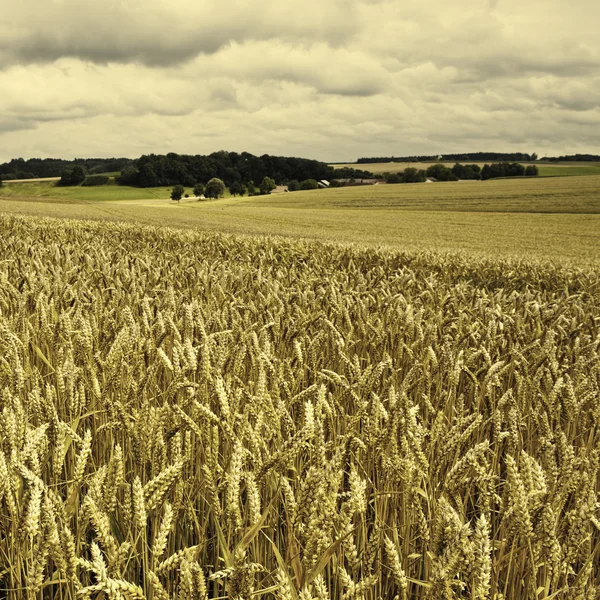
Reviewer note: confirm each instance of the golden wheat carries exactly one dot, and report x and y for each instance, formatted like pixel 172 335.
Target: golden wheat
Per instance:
pixel 195 416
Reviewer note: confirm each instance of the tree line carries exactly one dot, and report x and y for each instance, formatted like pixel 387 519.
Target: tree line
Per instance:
pixel 471 156
pixel 215 188
pixel 33 168
pixel 459 171
pixel 156 170
pixel 574 158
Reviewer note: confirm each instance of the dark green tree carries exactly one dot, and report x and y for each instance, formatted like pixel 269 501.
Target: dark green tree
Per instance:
pixel 440 172
pixel 294 185
pixel 65 177
pixel 148 177
pixel 128 176
pixel 199 190
pixel 531 171
pixel 78 175
pixel 237 189
pixel 177 192
pixel 412 175
pixel 309 184
pixel 393 178
pixel 73 176
pixel 466 171
pixel 215 188
pixel 267 185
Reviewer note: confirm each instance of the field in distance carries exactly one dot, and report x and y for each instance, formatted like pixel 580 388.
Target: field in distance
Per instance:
pixel 47 188
pixel 557 219
pixel 545 169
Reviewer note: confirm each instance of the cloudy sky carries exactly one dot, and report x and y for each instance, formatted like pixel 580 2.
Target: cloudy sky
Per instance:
pixel 326 79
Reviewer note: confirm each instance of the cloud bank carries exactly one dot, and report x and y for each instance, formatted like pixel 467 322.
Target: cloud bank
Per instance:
pixel 329 79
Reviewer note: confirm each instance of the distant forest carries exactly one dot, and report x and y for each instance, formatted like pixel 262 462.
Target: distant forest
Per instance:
pixel 574 158
pixel 474 156
pixel 159 170
pixel 481 157
pixel 19 168
pixel 154 170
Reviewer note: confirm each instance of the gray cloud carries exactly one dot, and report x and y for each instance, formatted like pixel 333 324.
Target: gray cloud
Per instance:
pixel 160 32
pixel 335 80
pixel 8 124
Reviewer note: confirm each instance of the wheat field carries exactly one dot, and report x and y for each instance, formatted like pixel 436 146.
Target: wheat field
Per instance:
pixel 194 415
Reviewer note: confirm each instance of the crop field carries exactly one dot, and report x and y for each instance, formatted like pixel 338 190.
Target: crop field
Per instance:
pixel 394 167
pixel 567 169
pixel 554 218
pixel 360 393
pixel 203 415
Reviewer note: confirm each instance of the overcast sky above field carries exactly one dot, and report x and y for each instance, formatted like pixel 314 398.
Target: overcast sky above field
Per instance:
pixel 327 79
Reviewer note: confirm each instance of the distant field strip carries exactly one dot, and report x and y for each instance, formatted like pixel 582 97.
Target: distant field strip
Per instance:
pixel 556 219
pixel 46 189
pixel 561 195
pixel 545 170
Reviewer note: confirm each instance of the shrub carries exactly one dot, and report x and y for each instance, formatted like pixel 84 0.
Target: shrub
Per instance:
pixel 531 171
pixel 73 176
pixel 95 180
pixel 267 185
pixel 199 190
pixel 177 192
pixel 309 184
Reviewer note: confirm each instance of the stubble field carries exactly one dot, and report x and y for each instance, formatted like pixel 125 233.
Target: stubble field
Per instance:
pixel 404 405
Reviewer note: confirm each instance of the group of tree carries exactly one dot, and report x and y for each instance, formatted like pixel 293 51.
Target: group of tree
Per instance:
pixel 172 169
pixel 505 169
pixel 470 156
pixel 156 170
pixel 409 175
pixel 441 172
pixel 73 175
pixel 19 168
pixel 573 158
pixel 307 184
pixel 216 188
